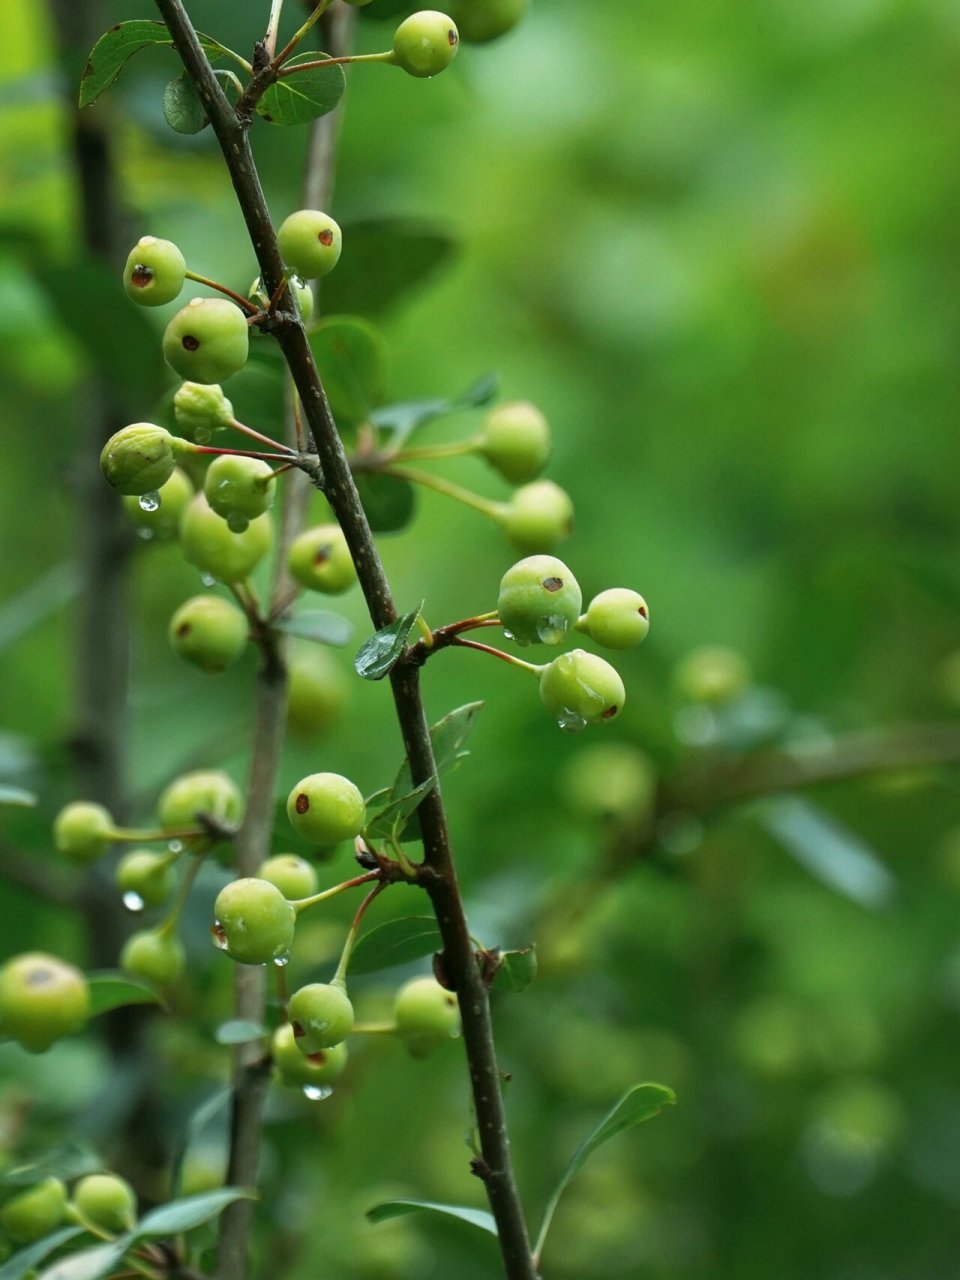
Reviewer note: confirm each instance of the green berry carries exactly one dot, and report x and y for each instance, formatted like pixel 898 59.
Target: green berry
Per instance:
pixel 207 341
pixel 201 409
pixel 310 243
pixel 35 1213
pixel 155 272
pixel 149 875
pixel 292 875
pixel 316 690
pixel 515 439
pixel 302 295
pixel 538 516
pixel 426 43
pixel 206 791
pixel 320 560
pixel 321 1016
pixel 41 999
pixel 106 1201
pixel 83 831
pixel 210 632
pixel 426 1015
pixel 208 542
pixel 539 600
pixel 254 921
pixel 318 1069
pixel 610 781
pixel 482 20
pixel 140 458
pixel 239 487
pixel 155 955
pixel 161 520
pixel 581 689
pixel 712 674
pixel 618 618
pixel 325 808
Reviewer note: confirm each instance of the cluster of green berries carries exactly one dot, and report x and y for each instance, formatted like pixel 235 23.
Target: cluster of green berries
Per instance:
pixel 103 1202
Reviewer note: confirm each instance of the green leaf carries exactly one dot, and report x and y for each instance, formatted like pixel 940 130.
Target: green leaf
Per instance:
pixel 351 357
pixel 318 625
pixel 389 502
pixel 641 1102
pixel 192 1211
pixel 395 942
pixel 391 819
pixel 110 990
pixel 117 46
pixel 398 1208
pixel 26 610
pixel 17 795
pixel 304 96
pixel 207 1111
pixel 516 970
pixel 89 1264
pixel 71 1160
pixel 239 1031
pixel 401 420
pixel 182 108
pixel 25 1260
pixel 448 737
pixel 385 647
pixel 385 260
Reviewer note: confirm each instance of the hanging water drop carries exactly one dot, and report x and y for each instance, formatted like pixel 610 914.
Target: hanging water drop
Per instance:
pixel 507 635
pixel 551 629
pixel 237 523
pixel 175 846
pixel 145 535
pixel 316 1092
pixel 207 579
pixel 132 901
pixel 282 959
pixel 149 501
pixel 571 721
pixel 219 935
pixel 202 435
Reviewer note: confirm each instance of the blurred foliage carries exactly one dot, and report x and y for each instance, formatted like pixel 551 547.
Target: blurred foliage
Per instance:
pixel 717 245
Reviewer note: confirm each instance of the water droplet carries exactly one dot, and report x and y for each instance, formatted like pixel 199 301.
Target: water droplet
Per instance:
pixel 207 579
pixel 175 846
pixel 571 721
pixel 237 523
pixel 219 935
pixel 317 1093
pixel 132 901
pixel 282 959
pixel 507 635
pixel 149 501
pixel 145 535
pixel 551 629
pixel 202 435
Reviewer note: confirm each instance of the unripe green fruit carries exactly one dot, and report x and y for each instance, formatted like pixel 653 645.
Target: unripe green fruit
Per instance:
pixel 255 923
pixel 481 20
pixel 321 1016
pixel 292 875
pixel 41 999
pixel 581 689
pixel 139 459
pixel 210 632
pixel 302 294
pixel 149 875
pixel 35 1213
pixel 208 542
pixel 320 560
pixel 155 272
pixel 239 487
pixel 155 955
pixel 310 243
pixel 106 1201
pixel 538 516
pixel 515 439
pixel 316 690
pixel 426 43
pixel 83 831
pixel 610 781
pixel 162 521
pixel 201 409
pixel 539 600
pixel 712 674
pixel 206 791
pixel 618 618
pixel 325 808
pixel 426 1015
pixel 207 341
pixel 320 1068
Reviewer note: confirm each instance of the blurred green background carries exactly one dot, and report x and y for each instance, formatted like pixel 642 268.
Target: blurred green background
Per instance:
pixel 718 246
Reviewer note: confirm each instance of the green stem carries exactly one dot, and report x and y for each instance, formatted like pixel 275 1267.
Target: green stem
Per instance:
pixel 150 835
pixel 497 653
pixel 250 307
pixel 428 452
pixel 301 904
pixel 242 453
pixel 340 976
pixel 386 56
pixel 169 924
pixel 258 435
pixel 450 490
pixel 296 38
pixel 374 1029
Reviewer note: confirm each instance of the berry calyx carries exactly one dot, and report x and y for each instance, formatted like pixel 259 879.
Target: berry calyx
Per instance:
pixel 148 875
pixel 581 689
pixel 106 1201
pixel 482 20
pixel 325 808
pixel 425 43
pixel 310 243
pixel 617 618
pixel 41 999
pixel 208 542
pixel 207 341
pixel 201 409
pixel 239 487
pixel 204 791
pixel 426 1015
pixel 321 1016
pixel 515 439
pixel 209 632
pixel 294 1067
pixel 254 921
pixel 292 875
pixel 320 560
pixel 154 272
pixel 154 954
pixel 161 517
pixel 140 458
pixel 537 517
pixel 316 690
pixel 83 831
pixel 34 1213
pixel 539 600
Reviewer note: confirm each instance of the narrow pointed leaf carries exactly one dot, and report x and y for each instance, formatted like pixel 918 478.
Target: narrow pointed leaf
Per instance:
pixel 396 942
pixel 17 796
pixel 114 990
pixel 392 818
pixel 26 1260
pixel 239 1031
pixel 204 1114
pixel 318 625
pixel 304 95
pixel 517 969
pixel 448 737
pixel 385 647
pixel 89 1264
pixel 398 1208
pixel 117 46
pixel 192 1211
pixel 401 420
pixel 71 1160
